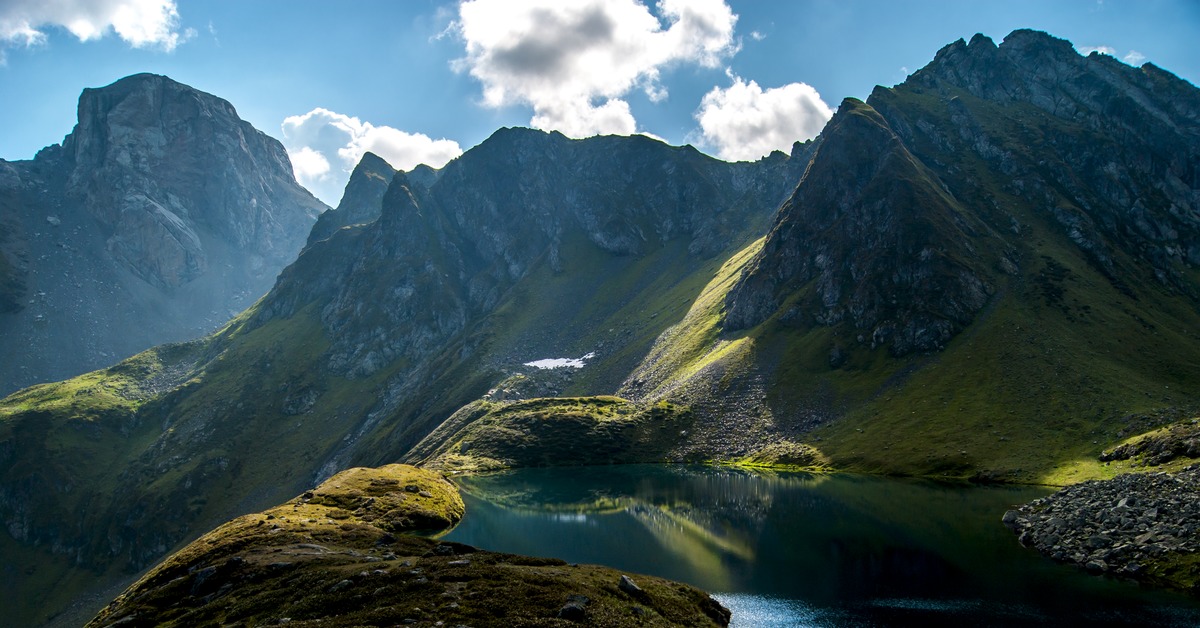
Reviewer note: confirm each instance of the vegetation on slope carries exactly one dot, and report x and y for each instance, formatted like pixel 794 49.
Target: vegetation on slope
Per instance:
pixel 1081 337
pixel 563 431
pixel 342 555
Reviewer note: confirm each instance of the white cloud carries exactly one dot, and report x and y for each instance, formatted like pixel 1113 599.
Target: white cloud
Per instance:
pixel 308 164
pixel 141 23
pixel 574 62
pixel 745 122
pixel 1134 58
pixel 1104 50
pixel 757 36
pixel 321 138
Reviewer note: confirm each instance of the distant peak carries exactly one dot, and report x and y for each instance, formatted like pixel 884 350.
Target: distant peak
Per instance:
pixel 139 81
pixel 1030 37
pixel 981 40
pixel 370 162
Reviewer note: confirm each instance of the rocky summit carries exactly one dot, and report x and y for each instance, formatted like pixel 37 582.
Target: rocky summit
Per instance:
pixel 160 216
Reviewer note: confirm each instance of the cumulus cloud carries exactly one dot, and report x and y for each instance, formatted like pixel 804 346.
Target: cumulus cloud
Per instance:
pixel 745 122
pixel 1134 58
pixel 308 164
pixel 324 147
pixel 575 62
pixel 141 23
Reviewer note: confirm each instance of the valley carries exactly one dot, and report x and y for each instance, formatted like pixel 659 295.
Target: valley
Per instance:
pixel 986 274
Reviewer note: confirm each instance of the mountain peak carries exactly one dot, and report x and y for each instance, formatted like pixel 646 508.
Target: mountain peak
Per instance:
pixel 370 162
pixel 173 201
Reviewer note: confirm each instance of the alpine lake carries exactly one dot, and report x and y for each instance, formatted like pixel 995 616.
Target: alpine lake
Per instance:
pixel 797 549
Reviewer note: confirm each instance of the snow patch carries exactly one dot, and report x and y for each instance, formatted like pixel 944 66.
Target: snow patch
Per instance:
pixel 555 363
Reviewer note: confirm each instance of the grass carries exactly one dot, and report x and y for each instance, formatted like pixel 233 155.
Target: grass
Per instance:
pixel 1045 378
pixel 786 455
pixel 563 431
pixel 314 560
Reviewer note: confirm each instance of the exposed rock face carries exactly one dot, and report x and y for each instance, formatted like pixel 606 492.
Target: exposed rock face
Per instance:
pixel 1136 526
pixel 448 253
pixel 158 216
pixel 901 223
pixel 362 199
pixel 440 260
pixel 887 249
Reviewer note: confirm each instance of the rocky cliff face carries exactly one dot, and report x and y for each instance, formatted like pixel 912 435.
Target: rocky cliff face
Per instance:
pixel 906 217
pixel 885 248
pixel 362 200
pixel 450 252
pixel 160 215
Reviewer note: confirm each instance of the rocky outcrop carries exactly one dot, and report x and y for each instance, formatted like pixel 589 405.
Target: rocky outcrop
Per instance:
pixel 885 248
pixel 342 554
pixel 156 219
pixel 362 200
pixel 1140 526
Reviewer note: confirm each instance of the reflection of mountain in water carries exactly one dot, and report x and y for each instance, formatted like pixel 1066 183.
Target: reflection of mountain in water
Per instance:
pixel 865 550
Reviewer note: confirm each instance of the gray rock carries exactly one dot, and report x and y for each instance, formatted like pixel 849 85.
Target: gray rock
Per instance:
pixel 1091 540
pixel 575 609
pixel 627 585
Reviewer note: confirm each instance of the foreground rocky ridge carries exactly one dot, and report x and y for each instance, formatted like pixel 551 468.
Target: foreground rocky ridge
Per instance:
pixel 343 554
pixel 159 217
pixel 1140 526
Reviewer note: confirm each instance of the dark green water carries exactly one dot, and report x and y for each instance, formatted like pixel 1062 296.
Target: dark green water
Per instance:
pixel 804 550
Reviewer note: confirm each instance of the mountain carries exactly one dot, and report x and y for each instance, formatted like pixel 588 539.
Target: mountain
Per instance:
pixel 985 272
pixel 988 270
pixel 159 217
pixel 362 200
pixel 528 246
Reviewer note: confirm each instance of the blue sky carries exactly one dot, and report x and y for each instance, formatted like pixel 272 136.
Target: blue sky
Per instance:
pixel 421 80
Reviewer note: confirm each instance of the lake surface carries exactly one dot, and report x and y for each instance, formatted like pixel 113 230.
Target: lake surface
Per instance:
pixel 794 549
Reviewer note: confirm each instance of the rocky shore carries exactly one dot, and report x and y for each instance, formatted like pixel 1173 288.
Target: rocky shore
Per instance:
pixel 1140 526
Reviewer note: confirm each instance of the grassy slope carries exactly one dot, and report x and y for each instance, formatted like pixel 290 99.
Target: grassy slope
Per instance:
pixel 220 443
pixel 60 436
pixel 1044 379
pixel 556 431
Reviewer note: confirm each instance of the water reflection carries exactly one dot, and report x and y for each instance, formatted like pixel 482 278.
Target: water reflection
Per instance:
pixel 800 549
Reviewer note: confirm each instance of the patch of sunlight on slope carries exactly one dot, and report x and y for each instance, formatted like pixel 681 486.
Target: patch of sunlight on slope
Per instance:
pixel 686 348
pixel 1076 471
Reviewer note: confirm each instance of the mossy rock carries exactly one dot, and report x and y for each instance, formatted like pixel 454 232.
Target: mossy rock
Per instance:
pixel 395 498
pixel 787 455
pixel 336 556
pixel 557 431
